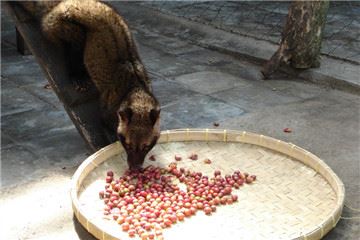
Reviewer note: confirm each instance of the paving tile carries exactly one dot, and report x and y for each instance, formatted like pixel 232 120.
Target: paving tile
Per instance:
pixel 294 87
pixel 46 95
pixel 9 55
pixel 168 92
pixel 170 121
pixel 210 82
pixel 6 141
pixel 26 68
pixel 202 111
pixel 62 147
pixel 254 97
pixel 34 123
pixel 15 100
pixel 19 165
pixel 26 79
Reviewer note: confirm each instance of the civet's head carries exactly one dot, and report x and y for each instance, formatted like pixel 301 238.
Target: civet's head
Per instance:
pixel 139 126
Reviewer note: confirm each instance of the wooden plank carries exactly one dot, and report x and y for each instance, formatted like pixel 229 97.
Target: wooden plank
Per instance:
pixel 82 107
pixel 20 44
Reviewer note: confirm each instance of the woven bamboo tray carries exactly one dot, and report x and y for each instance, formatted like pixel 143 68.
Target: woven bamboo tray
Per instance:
pixel 296 195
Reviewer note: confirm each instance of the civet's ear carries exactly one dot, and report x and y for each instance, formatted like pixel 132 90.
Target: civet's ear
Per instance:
pixel 125 115
pixel 154 115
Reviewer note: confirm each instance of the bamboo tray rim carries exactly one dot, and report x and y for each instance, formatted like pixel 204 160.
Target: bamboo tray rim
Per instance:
pixel 224 135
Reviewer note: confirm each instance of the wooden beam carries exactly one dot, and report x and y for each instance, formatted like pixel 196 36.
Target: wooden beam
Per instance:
pixel 83 108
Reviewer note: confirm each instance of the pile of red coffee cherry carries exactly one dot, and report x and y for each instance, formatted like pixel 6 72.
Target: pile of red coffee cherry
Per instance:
pixel 147 201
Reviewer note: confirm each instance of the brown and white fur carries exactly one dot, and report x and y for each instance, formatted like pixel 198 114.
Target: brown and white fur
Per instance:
pixel 113 64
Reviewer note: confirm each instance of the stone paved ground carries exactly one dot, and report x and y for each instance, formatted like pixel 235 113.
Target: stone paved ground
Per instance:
pixel 265 21
pixel 41 149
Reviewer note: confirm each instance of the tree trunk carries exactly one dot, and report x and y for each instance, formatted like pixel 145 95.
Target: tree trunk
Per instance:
pixel 301 37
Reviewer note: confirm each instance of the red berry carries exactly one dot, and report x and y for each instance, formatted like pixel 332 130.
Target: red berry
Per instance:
pixel 172 165
pixel 180 216
pixel 147 226
pixel 178 157
pixel 149 199
pixel 144 236
pixel 229 200
pixel 167 222
pixel 121 220
pixel 193 156
pixel 187 212
pixel 115 210
pixel 129 219
pixel 173 218
pixel 200 205
pixel 207 210
pixel 109 179
pixel 249 180
pixel 110 205
pixel 207 161
pixel 193 210
pixel 240 182
pixel 125 226
pixel 131 232
pixel 101 194
pixel 234 197
pixel 227 190
pixel 287 130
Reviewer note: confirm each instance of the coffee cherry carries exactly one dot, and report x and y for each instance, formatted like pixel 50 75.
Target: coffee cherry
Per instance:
pixel 125 226
pixel 193 156
pixel 131 232
pixel 151 235
pixel 180 216
pixel 207 161
pixel 144 236
pixel 234 197
pixel 207 210
pixel 146 201
pixel 109 179
pixel 178 157
pixel 249 180
pixel 101 194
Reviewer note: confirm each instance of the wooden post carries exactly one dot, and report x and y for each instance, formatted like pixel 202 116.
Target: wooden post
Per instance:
pixel 301 37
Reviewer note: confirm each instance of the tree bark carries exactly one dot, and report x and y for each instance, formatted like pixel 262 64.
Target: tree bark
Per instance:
pixel 301 37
